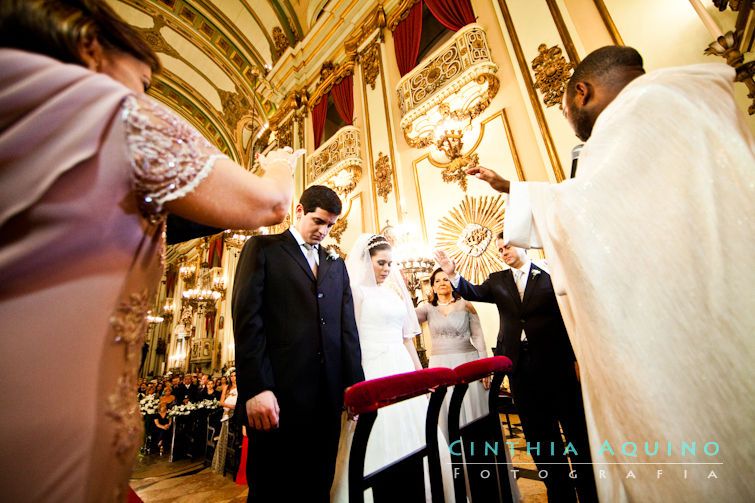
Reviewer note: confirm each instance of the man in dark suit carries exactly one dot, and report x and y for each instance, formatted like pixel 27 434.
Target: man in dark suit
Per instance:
pixel 186 391
pixel 297 349
pixel 543 377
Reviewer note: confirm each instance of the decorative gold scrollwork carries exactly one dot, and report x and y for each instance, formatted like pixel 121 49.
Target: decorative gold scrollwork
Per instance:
pixel 383 176
pixel 552 72
pixel 371 63
pixel 280 40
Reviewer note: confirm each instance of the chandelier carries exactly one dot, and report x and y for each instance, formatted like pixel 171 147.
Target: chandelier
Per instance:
pixel 208 290
pixel 237 238
pixel 187 271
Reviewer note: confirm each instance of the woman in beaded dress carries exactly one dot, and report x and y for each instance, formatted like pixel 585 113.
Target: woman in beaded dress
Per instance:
pixel 456 337
pixel 89 166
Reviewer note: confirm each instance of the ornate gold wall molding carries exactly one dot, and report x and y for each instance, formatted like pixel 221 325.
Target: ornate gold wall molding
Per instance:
pixel 550 146
pixel 608 21
pixel 288 111
pixel 552 72
pixel 285 134
pixel 383 176
pixel 299 118
pixel 399 13
pixel 368 142
pixel 467 235
pixel 563 32
pixel 330 75
pixel 370 62
pixel 338 229
pixel 280 40
pixel 375 20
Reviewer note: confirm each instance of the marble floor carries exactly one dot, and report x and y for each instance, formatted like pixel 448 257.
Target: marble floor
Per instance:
pixel 157 480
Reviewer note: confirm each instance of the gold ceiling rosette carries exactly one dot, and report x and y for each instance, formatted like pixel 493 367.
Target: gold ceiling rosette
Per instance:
pixel 467 235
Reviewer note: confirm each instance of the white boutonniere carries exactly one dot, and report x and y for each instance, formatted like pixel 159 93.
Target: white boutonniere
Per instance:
pixel 534 272
pixel 332 254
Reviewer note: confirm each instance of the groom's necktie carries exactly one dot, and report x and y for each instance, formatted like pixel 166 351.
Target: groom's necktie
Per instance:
pixel 519 279
pixel 311 252
pixel 520 283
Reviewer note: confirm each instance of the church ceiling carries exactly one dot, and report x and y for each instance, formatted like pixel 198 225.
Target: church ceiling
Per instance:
pixel 215 55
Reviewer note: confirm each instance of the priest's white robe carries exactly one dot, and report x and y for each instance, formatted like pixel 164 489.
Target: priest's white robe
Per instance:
pixel 652 253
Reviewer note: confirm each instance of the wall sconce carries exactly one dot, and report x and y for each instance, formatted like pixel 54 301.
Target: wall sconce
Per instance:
pixel 454 137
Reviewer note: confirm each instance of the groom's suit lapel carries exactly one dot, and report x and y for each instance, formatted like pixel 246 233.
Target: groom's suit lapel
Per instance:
pixel 291 247
pixel 531 282
pixel 325 264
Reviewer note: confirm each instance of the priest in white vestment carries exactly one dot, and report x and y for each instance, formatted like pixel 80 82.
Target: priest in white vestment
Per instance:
pixel 652 253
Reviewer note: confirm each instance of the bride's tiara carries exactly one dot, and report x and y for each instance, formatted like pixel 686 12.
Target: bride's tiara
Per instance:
pixel 378 240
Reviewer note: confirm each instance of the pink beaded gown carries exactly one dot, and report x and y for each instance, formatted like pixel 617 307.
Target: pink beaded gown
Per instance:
pixel 85 166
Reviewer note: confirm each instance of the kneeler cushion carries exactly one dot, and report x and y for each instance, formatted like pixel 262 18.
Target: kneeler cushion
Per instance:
pixel 477 369
pixel 369 396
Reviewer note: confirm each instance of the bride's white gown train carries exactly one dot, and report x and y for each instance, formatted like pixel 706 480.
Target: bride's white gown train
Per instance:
pixel 399 428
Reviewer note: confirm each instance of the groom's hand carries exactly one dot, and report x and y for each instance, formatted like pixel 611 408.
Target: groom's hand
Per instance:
pixel 445 263
pixel 263 411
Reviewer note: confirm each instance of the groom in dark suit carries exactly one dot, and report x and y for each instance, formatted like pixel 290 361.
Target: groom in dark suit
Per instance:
pixel 297 349
pixel 543 377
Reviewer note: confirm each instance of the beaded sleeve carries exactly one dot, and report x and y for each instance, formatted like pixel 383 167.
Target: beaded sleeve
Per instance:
pixel 169 158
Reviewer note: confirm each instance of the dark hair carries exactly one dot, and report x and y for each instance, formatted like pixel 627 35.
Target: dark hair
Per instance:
pixel 499 235
pixel 376 243
pixel 433 295
pixel 319 196
pixel 602 64
pixel 59 28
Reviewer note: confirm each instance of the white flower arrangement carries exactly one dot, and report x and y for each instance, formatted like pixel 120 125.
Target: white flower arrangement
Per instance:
pixel 230 371
pixel 188 408
pixel 534 273
pixel 332 253
pixel 148 405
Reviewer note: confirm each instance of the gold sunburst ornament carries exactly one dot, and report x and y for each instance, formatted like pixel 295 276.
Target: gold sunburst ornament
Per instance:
pixel 467 235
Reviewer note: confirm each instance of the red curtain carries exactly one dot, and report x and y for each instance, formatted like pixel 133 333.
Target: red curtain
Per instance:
pixel 343 99
pixel 319 112
pixel 215 253
pixel 453 14
pixel 170 282
pixel 406 38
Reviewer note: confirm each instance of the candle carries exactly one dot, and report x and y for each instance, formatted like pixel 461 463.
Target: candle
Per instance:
pixel 707 19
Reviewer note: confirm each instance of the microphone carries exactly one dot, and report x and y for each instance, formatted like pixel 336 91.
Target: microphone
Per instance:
pixel 574 157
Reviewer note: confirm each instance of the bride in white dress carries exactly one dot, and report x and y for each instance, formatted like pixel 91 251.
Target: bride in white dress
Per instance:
pixel 387 325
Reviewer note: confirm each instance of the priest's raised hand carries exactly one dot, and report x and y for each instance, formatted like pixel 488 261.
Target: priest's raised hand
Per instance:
pixel 488 175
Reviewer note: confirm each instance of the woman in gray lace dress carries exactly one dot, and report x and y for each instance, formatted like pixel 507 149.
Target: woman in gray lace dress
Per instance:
pixel 457 338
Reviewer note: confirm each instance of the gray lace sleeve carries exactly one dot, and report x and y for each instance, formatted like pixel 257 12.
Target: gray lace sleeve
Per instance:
pixel 169 158
pixel 421 313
